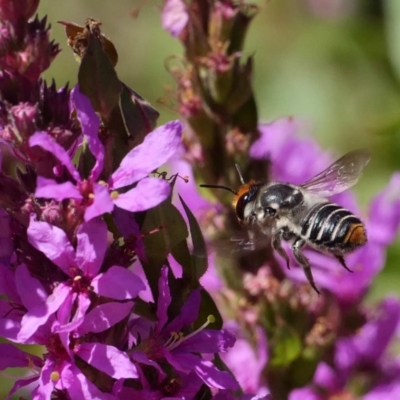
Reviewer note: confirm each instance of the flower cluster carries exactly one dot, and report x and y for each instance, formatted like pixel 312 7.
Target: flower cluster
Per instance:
pixel 75 218
pixel 135 285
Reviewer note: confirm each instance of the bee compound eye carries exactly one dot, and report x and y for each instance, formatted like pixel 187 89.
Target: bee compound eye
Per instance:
pixel 241 205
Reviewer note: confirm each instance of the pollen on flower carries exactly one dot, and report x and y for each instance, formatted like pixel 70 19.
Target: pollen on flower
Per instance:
pixel 211 319
pixel 114 195
pixel 54 376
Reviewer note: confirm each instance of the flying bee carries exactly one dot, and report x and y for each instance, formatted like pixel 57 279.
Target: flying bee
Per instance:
pixel 302 214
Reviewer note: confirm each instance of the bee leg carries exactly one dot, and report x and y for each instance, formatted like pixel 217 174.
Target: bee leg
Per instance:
pixel 341 260
pixel 303 261
pixel 277 245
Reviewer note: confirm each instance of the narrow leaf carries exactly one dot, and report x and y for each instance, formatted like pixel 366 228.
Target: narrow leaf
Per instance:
pixel 199 254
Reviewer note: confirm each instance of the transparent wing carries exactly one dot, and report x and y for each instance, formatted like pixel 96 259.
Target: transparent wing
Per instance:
pixel 341 175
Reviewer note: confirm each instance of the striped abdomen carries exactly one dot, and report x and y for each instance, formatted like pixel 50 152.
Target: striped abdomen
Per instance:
pixel 333 227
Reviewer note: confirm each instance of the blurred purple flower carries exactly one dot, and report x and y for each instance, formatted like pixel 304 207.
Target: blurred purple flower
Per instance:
pixel 162 340
pixel 70 299
pixel 357 351
pixel 366 354
pixel 174 17
pixel 247 362
pixel 101 197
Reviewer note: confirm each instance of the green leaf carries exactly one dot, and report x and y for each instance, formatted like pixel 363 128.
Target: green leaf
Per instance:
pixel 158 245
pixel 285 345
pixel 97 78
pixel 139 116
pixel 129 123
pixel 199 260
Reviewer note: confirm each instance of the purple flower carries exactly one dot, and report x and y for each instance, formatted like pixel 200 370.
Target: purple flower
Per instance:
pixel 54 372
pixel 358 351
pixel 162 340
pixel 364 353
pixel 174 17
pixel 101 197
pixel 70 299
pixel 255 360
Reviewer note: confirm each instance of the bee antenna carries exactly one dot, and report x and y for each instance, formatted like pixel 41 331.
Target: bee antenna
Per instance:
pixel 219 187
pixel 239 170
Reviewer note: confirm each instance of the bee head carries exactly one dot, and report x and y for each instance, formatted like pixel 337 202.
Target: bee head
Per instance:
pixel 244 196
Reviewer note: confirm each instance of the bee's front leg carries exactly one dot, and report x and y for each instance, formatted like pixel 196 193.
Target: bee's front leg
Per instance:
pixel 303 261
pixel 277 245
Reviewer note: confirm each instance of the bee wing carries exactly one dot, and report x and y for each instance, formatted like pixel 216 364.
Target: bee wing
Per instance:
pixel 341 175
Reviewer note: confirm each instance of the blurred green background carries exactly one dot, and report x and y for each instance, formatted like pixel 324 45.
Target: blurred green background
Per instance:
pixel 334 63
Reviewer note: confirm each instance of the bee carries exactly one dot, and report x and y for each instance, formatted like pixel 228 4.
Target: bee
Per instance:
pixel 302 214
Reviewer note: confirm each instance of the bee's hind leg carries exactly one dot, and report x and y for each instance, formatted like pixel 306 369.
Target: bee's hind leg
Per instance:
pixel 277 245
pixel 340 258
pixel 303 261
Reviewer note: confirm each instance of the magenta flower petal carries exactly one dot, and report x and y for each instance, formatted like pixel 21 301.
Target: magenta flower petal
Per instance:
pixel 206 370
pixel 65 310
pixel 304 394
pixel 46 142
pixel 91 247
pixel 387 391
pixel 53 242
pixel 174 17
pixel 37 316
pixel 148 193
pixel 157 148
pixel 50 189
pixel 140 357
pixel 80 387
pixel 46 385
pixel 90 124
pixel 9 329
pixel 20 383
pixel 164 298
pixel 108 359
pixel 36 294
pixel 118 283
pixel 103 317
pixel 102 202
pixel 253 356
pixel 83 303
pixel 207 341
pixel 188 314
pixel 357 349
